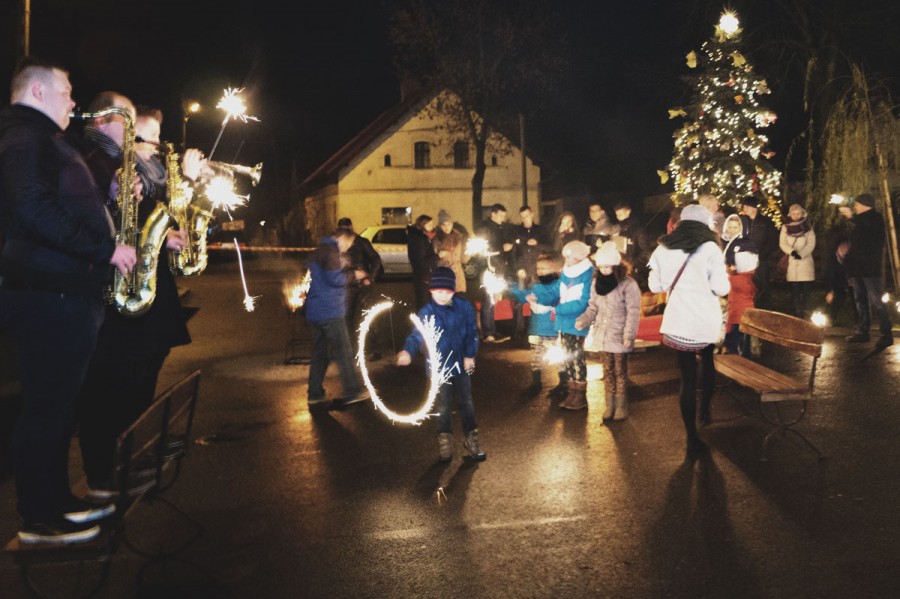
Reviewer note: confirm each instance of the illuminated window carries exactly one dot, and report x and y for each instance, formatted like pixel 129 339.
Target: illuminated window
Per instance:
pixel 422 154
pixel 493 161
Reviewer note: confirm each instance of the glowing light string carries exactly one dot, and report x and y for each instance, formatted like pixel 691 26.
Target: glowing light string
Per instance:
pixel 439 373
pixel 221 194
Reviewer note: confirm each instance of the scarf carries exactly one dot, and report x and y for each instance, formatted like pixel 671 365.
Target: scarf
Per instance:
pixel 546 279
pixel 797 228
pixel 603 284
pixel 688 236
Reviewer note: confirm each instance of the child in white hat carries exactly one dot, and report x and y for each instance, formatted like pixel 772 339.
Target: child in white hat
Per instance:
pixel 613 312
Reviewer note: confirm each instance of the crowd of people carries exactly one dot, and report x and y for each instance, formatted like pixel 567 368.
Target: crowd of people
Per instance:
pixel 82 364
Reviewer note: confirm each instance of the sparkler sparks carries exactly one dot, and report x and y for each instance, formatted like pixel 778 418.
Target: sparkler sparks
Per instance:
pixel 819 319
pixel 296 295
pixel 233 105
pixel 438 372
pixel 220 191
pixel 493 283
pixel 556 354
pixel 477 246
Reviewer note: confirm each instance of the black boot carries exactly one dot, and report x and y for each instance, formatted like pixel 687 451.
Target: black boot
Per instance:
pixel 562 389
pixel 535 387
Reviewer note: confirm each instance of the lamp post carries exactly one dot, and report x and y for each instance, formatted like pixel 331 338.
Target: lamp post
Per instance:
pixel 189 109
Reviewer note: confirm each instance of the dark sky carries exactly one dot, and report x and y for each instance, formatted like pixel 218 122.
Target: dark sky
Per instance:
pixel 316 73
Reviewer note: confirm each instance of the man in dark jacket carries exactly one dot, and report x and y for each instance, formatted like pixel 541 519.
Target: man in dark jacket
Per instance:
pixel 500 244
pixel 765 237
pixel 120 382
pixel 363 264
pixel 58 243
pixel 326 311
pixel 422 256
pixel 863 264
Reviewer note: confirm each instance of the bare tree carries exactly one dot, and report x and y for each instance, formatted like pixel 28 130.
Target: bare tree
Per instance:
pixel 499 58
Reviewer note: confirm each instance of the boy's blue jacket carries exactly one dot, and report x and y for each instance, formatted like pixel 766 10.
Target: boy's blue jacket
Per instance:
pixel 540 324
pixel 327 295
pixel 459 335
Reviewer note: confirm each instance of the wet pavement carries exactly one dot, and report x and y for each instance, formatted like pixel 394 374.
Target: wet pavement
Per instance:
pixel 285 503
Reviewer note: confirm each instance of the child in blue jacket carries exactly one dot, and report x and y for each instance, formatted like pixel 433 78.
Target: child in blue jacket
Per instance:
pixel 457 346
pixel 570 302
pixel 541 327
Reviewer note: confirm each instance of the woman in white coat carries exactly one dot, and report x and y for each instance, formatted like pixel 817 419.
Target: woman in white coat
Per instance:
pixel 798 241
pixel 689 265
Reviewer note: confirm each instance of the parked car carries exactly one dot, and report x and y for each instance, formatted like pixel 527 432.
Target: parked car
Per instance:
pixel 390 243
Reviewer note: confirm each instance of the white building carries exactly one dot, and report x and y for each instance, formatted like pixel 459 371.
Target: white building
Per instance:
pixel 404 164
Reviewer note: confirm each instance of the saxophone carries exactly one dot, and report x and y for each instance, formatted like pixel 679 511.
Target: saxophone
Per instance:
pixel 133 294
pixel 192 212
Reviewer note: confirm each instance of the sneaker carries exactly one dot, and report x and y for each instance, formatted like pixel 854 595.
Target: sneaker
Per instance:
pixel 490 339
pixel 58 530
pixel 356 398
pixel 139 483
pixel 884 341
pixel 470 444
pixel 81 512
pixel 857 338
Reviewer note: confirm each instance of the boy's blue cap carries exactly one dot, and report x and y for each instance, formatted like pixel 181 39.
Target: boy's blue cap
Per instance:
pixel 443 277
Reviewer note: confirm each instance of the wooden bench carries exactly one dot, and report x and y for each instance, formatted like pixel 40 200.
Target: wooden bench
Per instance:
pixel 783 400
pixel 158 440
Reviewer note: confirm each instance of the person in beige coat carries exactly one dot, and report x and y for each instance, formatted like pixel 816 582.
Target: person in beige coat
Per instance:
pixel 797 241
pixel 450 248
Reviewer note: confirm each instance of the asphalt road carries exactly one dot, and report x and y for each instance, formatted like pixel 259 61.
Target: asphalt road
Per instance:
pixel 346 504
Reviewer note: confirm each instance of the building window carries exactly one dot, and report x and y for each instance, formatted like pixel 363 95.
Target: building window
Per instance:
pixel 493 161
pixel 461 155
pixel 387 160
pixel 423 154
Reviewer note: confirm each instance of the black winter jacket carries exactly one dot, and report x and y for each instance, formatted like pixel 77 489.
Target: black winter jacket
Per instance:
pixel 58 235
pixel 866 245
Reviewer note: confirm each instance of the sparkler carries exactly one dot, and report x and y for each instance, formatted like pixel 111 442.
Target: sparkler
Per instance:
pixel 438 372
pixel 220 191
pixel 296 295
pixel 493 283
pixel 477 246
pixel 819 319
pixel 556 354
pixel 233 105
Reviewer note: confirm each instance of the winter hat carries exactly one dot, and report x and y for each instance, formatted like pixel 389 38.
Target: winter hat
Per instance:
pixel 577 250
pixel 443 278
pixel 698 213
pixel 607 255
pixel 443 217
pixel 746 261
pixel 750 201
pixel 798 207
pixel 866 200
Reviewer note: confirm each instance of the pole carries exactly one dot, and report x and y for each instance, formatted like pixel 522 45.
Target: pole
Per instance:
pixel 524 160
pixel 26 27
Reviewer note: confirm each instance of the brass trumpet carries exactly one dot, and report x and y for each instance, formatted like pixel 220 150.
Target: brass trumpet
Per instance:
pixel 254 172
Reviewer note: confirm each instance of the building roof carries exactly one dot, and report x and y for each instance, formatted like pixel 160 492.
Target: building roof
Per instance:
pixel 328 171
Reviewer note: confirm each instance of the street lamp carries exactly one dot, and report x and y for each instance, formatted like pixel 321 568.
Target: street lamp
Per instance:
pixel 189 109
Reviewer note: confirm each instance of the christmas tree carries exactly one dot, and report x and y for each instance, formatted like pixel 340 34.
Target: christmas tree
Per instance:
pixel 719 150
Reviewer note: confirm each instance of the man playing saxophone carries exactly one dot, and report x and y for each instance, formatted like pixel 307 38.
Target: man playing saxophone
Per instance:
pixel 58 240
pixel 131 349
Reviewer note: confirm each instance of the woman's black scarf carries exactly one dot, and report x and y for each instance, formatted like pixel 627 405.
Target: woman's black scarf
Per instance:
pixel 688 236
pixel 797 228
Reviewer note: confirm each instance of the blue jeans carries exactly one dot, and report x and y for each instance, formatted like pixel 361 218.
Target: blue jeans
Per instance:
pixel 868 291
pixel 461 386
pixel 331 341
pixel 54 336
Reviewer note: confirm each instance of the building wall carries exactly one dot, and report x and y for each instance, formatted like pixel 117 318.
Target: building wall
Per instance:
pixel 367 185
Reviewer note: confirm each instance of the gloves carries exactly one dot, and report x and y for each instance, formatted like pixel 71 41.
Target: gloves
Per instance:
pixel 796 255
pixel 539 308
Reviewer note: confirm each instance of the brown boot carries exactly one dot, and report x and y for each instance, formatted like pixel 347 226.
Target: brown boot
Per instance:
pixel 577 398
pixel 609 405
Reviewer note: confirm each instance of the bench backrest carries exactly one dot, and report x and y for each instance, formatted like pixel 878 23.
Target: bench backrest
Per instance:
pixel 782 329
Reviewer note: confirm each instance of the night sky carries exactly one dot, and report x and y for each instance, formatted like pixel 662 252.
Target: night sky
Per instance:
pixel 317 73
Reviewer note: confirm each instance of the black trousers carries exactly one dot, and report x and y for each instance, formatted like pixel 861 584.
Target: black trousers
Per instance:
pixel 54 336
pixel 115 392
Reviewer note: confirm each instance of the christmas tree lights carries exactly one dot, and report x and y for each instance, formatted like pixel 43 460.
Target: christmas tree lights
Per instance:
pixel 719 150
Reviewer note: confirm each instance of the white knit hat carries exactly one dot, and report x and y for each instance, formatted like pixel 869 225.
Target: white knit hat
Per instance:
pixel 697 213
pixel 607 254
pixel 745 261
pixel 577 250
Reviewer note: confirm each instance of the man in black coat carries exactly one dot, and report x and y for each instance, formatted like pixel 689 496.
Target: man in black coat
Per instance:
pixel 863 264
pixel 500 243
pixel 422 257
pixel 765 237
pixel 363 265
pixel 58 243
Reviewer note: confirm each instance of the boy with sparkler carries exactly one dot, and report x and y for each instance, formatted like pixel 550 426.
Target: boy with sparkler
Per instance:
pixel 457 344
pixel 541 326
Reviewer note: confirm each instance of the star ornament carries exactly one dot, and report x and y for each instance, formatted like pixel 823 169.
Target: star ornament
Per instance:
pixel 728 26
